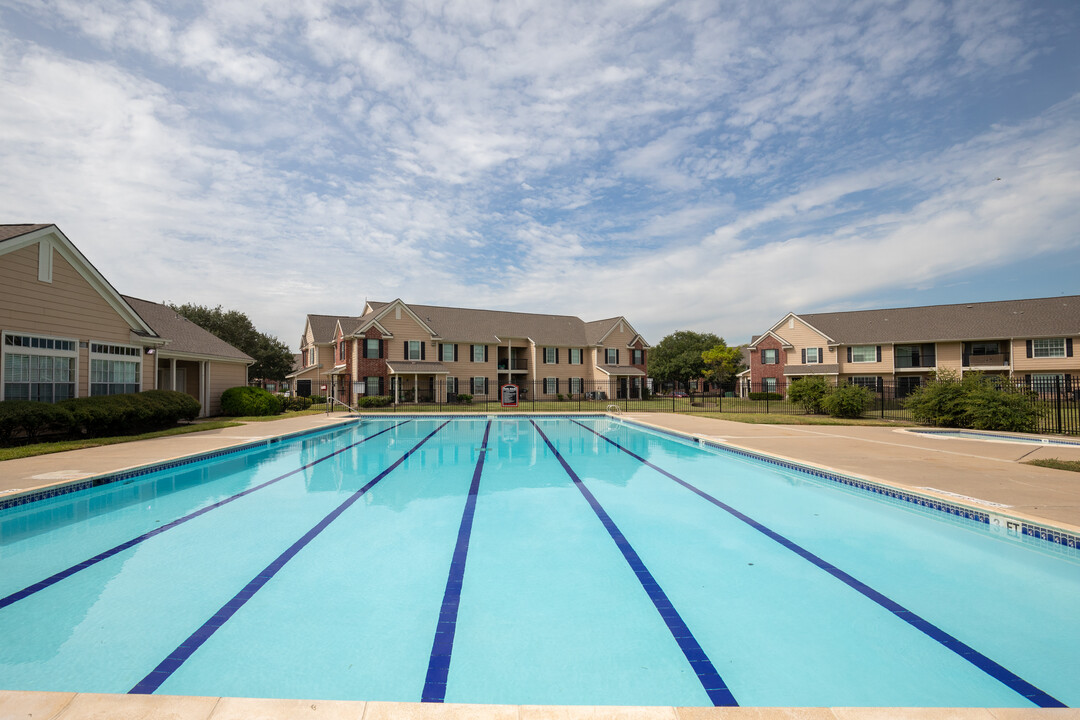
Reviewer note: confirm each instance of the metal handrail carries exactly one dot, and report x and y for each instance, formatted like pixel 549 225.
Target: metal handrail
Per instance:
pixel 614 409
pixel 330 405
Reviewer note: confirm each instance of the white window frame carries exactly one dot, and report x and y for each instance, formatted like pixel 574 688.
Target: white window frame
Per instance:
pixel 451 387
pixel 816 359
pixel 550 355
pixel 372 383
pixel 359 388
pixel 108 356
pixel 575 386
pixel 7 350
pixel 414 350
pixel 861 350
pixel 551 385
pixel 368 349
pixel 447 352
pixel 575 356
pixel 479 384
pixel 768 384
pixel 1050 347
pixel 766 354
pixel 478 353
pixel 1045 381
pixel 611 356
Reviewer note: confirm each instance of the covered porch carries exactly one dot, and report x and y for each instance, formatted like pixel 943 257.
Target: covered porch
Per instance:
pixel 417 381
pixel 624 382
pixel 184 375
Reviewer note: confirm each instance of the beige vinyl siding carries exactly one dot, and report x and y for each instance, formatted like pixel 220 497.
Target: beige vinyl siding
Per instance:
pixel 562 371
pixel 1024 364
pixel 224 375
pixel 949 356
pixel 405 329
pixel 883 368
pixel 620 338
pixel 68 307
pixel 802 336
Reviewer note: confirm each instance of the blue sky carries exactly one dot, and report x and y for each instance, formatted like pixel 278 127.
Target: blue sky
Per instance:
pixel 691 165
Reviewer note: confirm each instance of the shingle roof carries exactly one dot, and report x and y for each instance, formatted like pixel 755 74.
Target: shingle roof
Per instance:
pixel 183 335
pixel 1038 317
pixel 8 232
pixel 597 329
pixel 491 326
pixel 322 326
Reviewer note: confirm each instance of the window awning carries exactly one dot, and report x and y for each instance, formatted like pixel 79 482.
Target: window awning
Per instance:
pixel 624 370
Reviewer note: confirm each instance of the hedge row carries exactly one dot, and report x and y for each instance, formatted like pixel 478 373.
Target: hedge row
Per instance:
pixel 96 416
pixel 250 401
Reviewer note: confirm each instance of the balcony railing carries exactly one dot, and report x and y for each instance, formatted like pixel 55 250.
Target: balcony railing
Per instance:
pixel 514 364
pixel 926 361
pixel 999 360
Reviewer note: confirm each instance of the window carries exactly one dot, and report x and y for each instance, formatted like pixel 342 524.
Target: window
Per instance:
pixel 1045 382
pixel 770 357
pixel 451 387
pixel 575 385
pixel 1049 347
pixel 906 384
pixel 611 356
pixel 114 369
pixel 479 353
pixel 551 386
pixel 863 353
pixel 551 355
pixel 768 384
pixel 869 382
pixel 38 368
pixel 341 351
pixel 413 350
pixel 358 388
pixel 372 348
pixel 575 356
pixel 812 356
pixel 985 348
pixel 637 357
pixel 373 385
pixel 447 353
pixel 479 384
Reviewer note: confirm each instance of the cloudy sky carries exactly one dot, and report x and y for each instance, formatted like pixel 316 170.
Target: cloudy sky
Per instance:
pixel 691 165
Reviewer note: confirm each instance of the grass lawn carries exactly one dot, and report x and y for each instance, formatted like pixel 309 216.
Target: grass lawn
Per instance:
pixel 23 451
pixel 1073 465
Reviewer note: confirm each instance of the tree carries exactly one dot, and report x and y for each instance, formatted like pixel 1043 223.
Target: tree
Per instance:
pixel 722 363
pixel 273 360
pixel 678 357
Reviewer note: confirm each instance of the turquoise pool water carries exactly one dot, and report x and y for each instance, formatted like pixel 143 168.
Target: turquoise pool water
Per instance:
pixel 527 560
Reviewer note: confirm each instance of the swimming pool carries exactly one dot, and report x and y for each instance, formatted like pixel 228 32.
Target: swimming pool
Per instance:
pixel 527 561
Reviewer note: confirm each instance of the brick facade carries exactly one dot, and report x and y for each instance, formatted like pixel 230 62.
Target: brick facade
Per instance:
pixel 759 370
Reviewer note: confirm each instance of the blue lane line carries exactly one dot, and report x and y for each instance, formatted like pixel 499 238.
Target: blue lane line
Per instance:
pixel 988 666
pixel 710 679
pixel 105 555
pixel 172 663
pixel 443 646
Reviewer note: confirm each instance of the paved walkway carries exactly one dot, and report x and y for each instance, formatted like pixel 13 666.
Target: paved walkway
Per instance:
pixel 979 471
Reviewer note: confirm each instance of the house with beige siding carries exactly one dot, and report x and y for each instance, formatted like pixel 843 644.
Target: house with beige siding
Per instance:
pixel 66 332
pixel 1029 341
pixel 433 353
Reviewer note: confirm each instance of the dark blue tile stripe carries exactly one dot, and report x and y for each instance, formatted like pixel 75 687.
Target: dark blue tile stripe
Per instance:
pixel 443 645
pixel 169 665
pixel 105 555
pixel 710 679
pixel 56 491
pixel 991 668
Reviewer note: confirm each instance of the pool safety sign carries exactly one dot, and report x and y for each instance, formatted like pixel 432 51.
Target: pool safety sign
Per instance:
pixel 508 395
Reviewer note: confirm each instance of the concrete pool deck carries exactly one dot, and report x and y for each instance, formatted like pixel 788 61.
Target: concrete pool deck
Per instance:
pixel 964 471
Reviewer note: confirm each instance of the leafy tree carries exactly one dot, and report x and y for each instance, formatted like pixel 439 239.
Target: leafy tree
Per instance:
pixel 722 363
pixel 273 360
pixel 678 357
pixel 973 401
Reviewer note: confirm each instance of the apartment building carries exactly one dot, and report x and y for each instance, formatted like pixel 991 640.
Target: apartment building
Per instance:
pixel 432 353
pixel 1026 340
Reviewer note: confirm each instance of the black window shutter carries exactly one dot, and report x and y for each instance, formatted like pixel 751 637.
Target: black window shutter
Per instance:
pixel 545 356
pixel 820 355
pixel 849 354
pixel 880 384
pixel 1029 348
pixel 616 356
pixel 485 360
pixel 1068 347
pixel 381 386
pixel 455 352
pixel 406 349
pixel 1068 383
pixel 556 382
pixel 557 353
pixel 804 356
pixel 879 353
pixel 762 357
pixel 1027 378
pixel 485 379
pixel 423 352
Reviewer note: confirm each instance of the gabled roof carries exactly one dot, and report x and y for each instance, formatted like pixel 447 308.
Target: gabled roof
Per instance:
pixel 184 336
pixel 494 326
pixel 16 237
pixel 770 334
pixel 324 326
pixel 1037 317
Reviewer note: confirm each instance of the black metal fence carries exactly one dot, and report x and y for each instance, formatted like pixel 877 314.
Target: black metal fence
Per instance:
pixel 1057 401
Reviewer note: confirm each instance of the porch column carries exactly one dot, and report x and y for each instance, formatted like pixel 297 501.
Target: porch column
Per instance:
pixel 172 373
pixel 416 389
pixel 204 389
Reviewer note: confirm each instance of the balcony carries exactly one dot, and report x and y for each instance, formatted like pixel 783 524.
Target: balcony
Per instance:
pixel 975 361
pixel 513 364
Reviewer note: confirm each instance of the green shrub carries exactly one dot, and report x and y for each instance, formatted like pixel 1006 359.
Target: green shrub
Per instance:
pixel 370 401
pixel 128 413
pixel 317 399
pixel 974 401
pixel 560 397
pixel 765 396
pixel 847 401
pixel 243 400
pixel 32 419
pixel 464 398
pixel 295 403
pixel 808 393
